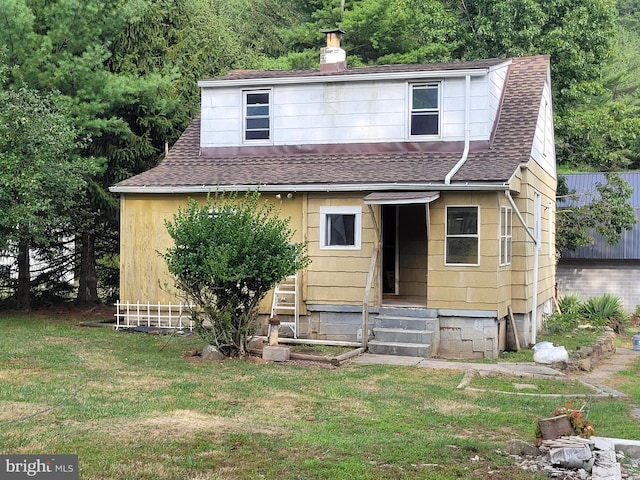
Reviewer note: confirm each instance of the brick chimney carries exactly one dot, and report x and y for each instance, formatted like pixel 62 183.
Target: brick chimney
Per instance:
pixel 332 57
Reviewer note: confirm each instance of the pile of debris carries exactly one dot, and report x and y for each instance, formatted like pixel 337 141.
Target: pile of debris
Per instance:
pixel 575 458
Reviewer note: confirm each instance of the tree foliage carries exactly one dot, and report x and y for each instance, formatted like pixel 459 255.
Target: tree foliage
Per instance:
pixel 41 177
pixel 607 212
pixel 228 254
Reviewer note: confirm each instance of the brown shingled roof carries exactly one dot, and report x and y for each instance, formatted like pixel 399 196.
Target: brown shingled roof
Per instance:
pixel 185 166
pixel 428 67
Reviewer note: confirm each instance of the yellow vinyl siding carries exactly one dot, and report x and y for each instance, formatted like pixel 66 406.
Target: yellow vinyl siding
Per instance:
pixel 338 276
pixel 489 285
pixel 520 294
pixel 464 286
pixel 144 275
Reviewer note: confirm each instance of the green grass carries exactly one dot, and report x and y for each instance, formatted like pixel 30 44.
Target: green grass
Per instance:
pixel 534 386
pixel 572 341
pixel 132 407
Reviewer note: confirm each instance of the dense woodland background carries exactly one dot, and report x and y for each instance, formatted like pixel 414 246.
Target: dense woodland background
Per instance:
pixel 93 91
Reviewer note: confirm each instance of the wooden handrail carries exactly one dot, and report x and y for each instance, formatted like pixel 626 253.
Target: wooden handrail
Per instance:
pixel 365 300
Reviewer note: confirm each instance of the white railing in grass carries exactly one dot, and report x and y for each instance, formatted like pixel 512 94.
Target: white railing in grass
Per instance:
pixel 131 315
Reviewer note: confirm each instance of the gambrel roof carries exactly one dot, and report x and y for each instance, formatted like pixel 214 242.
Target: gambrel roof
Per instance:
pixel 348 166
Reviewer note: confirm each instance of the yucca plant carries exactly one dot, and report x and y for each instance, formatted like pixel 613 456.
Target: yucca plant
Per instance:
pixel 570 304
pixel 605 311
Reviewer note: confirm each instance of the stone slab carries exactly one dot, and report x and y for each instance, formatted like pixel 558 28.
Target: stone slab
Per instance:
pixel 276 353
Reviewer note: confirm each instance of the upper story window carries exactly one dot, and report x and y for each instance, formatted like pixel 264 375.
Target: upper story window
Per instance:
pixel 462 244
pixel 425 109
pixel 257 115
pixel 340 228
pixel 506 236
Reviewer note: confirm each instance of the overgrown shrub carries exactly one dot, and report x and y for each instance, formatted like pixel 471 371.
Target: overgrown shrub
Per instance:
pixel 598 312
pixel 559 323
pixel 228 254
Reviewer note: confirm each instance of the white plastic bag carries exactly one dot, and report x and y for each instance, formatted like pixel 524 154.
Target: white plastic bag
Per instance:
pixel 545 352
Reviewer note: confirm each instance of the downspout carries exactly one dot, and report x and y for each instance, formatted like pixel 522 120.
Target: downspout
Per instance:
pixel 536 254
pixel 467 130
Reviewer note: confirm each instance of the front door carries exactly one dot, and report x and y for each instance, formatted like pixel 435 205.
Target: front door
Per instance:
pixel 404 254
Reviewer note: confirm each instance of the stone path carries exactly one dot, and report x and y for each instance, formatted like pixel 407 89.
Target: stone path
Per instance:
pixel 525 369
pixel 599 376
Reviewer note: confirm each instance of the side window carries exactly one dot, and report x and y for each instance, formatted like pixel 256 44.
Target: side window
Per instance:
pixel 340 228
pixel 506 237
pixel 257 115
pixel 462 243
pixel 425 109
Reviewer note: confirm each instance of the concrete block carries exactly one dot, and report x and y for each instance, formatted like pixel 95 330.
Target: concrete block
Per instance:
pixel 479 345
pixel 608 472
pixel 602 443
pixel 276 353
pixel 631 448
pixel 448 333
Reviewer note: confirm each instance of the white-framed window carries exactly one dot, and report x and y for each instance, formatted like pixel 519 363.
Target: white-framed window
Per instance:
pixel 506 235
pixel 257 116
pixel 424 109
pixel 341 228
pixel 462 237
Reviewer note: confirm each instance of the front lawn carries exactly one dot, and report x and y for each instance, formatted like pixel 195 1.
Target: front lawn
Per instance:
pixel 134 406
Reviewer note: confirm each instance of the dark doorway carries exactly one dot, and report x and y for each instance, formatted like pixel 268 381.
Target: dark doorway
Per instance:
pixel 404 253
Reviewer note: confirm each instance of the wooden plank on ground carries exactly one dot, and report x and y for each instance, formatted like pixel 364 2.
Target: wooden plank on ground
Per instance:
pixel 512 322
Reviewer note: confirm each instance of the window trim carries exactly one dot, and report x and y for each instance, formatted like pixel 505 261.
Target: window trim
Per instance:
pixel 341 210
pixel 447 236
pixel 246 116
pixel 437 110
pixel 505 237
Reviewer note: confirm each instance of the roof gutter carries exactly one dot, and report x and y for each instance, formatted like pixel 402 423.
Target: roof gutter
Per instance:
pixel 324 187
pixel 467 130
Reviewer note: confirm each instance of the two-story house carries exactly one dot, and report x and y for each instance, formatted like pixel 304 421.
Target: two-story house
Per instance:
pixel 426 194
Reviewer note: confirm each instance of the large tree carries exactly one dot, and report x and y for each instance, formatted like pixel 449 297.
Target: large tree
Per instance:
pixel 41 177
pixel 127 113
pixel 603 132
pixel 128 70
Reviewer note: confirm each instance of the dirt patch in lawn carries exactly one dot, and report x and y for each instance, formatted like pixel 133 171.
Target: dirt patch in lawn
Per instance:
pixel 173 425
pixel 13 412
pixel 77 312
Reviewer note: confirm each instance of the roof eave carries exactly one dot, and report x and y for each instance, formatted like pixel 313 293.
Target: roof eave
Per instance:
pixel 348 187
pixel 355 77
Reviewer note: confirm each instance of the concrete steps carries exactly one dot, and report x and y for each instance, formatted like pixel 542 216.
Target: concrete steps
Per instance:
pixel 405 332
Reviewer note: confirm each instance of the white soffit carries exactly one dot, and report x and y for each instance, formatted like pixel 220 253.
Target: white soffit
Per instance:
pixel 400 198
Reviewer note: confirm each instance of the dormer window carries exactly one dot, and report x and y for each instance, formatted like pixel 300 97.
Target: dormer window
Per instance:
pixel 257 115
pixel 425 109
